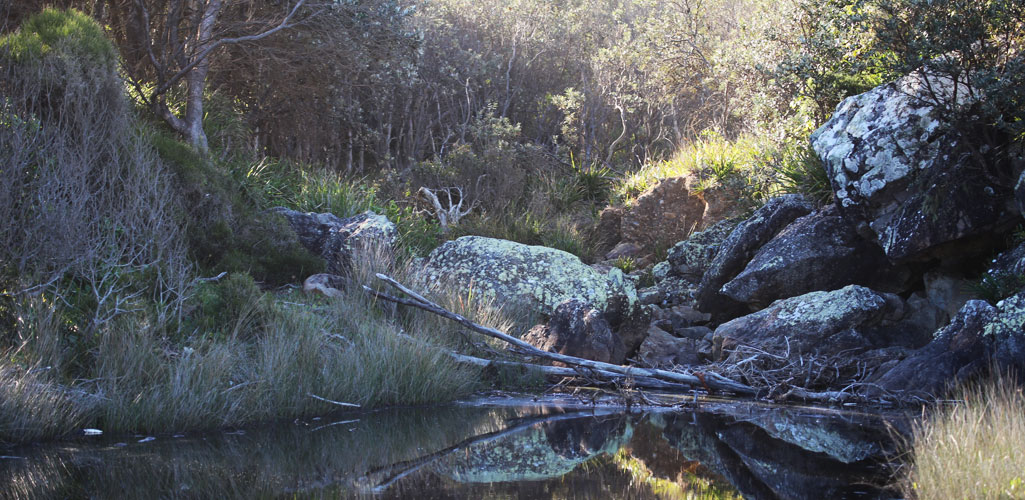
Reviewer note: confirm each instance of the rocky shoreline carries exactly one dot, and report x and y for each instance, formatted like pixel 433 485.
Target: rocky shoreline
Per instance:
pixel 880 295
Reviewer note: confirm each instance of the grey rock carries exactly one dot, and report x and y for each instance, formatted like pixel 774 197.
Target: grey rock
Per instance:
pixel 661 349
pixel 337 240
pixel 816 252
pixel 328 285
pixel 1019 194
pixel 740 246
pixel 649 296
pixel 980 336
pixel 897 172
pixel 576 329
pixel 834 327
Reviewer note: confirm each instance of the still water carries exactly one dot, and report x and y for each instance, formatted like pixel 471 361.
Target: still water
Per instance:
pixel 495 448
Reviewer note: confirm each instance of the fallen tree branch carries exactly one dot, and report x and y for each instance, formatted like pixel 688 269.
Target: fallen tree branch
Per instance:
pixel 709 380
pixel 560 371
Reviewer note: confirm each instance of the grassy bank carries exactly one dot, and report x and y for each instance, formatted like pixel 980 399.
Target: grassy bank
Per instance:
pixel 974 449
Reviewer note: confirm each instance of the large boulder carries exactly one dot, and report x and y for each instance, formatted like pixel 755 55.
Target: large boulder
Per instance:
pixel 818 323
pixel 812 331
pixel 692 257
pixel 981 336
pixel 816 252
pixel 533 278
pixel 898 172
pixel 337 240
pixel 576 329
pixel 740 246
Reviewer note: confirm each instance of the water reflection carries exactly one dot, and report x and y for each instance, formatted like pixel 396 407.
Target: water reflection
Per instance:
pixel 474 451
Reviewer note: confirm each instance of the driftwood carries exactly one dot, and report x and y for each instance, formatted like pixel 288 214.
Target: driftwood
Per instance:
pixel 709 381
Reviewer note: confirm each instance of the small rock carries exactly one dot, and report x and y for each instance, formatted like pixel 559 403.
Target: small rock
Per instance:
pixel 648 296
pixel 328 285
pixel 660 349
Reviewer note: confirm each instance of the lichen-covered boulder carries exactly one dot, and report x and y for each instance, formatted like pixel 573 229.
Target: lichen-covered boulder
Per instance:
pixel 336 240
pixel 897 171
pixel 576 329
pixel 740 246
pixel 532 277
pixel 816 252
pixel 820 338
pixel 692 257
pixel 819 323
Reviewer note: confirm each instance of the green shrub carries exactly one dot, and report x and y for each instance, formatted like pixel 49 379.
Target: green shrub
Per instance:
pixel 67 31
pixel 232 307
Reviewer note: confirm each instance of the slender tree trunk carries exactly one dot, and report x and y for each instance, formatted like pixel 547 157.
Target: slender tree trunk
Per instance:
pixel 196 79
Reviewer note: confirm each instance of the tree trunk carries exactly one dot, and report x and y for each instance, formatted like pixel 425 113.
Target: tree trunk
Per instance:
pixel 196 80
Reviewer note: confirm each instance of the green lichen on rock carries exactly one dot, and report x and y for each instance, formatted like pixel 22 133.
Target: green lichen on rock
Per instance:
pixel 534 277
pixel 1010 318
pixel 693 256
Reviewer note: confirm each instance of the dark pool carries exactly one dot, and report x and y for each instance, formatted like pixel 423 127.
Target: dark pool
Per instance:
pixel 555 447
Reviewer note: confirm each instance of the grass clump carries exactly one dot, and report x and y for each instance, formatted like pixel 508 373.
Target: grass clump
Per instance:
pixel 974 449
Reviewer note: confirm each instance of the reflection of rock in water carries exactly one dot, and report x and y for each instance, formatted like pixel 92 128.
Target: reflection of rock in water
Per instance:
pixel 546 451
pixel 764 467
pixel 841 441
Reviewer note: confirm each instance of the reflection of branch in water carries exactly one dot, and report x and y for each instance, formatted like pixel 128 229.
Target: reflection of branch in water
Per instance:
pixel 394 472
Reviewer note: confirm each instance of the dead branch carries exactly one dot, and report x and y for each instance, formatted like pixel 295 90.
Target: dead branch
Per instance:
pixel 709 380
pixel 454 212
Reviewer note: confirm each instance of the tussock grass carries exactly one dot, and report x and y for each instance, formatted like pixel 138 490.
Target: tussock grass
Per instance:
pixel 32 407
pixel 974 449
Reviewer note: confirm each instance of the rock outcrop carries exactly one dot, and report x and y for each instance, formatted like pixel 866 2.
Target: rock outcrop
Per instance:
pixel 897 170
pixel 740 246
pixel 577 329
pixel 336 240
pixel 816 252
pixel 532 277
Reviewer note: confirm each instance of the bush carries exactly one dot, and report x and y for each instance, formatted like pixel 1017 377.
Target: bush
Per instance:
pixel 88 208
pixel 67 32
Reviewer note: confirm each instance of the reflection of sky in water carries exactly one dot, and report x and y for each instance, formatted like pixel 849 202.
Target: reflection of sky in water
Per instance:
pixel 474 451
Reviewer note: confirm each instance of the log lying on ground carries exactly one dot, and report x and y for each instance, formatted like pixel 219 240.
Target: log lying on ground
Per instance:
pixel 709 380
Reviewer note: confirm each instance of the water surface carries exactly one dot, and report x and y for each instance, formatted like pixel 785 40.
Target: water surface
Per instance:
pixel 497 448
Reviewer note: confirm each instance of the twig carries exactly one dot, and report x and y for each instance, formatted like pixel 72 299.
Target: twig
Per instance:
pixel 339 403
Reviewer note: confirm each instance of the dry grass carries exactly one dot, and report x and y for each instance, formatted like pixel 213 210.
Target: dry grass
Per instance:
pixel 974 449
